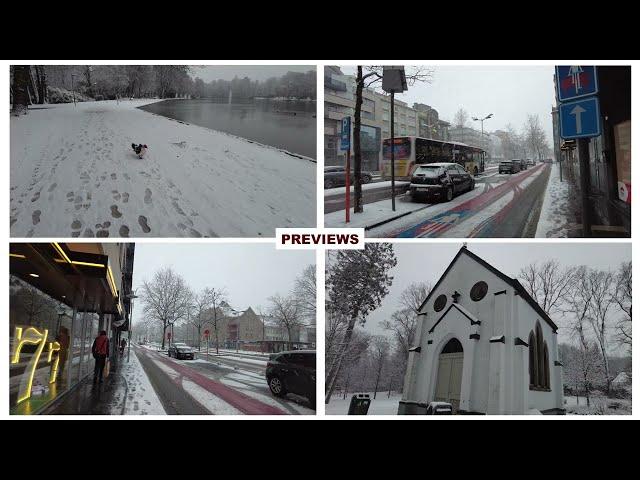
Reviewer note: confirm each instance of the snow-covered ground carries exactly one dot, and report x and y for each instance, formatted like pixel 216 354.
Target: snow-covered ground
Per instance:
pixel 597 406
pixel 74 174
pixel 141 398
pixel 553 222
pixel 368 186
pixel 382 405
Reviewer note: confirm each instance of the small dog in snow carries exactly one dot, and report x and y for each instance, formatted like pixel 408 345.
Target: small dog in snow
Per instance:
pixel 139 149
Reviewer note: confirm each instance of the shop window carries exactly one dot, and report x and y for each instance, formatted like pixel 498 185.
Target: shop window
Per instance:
pixel 622 138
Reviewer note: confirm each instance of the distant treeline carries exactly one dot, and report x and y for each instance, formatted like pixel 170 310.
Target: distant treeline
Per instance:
pixel 32 84
pixel 290 85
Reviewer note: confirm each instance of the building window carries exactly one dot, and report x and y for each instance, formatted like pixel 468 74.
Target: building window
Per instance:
pixel 539 373
pixel 440 303
pixel 479 291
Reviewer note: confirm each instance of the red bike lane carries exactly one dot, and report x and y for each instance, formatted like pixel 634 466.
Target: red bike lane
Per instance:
pixel 444 221
pixel 238 400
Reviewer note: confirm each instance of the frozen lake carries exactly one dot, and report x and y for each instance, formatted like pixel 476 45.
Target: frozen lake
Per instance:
pixel 286 124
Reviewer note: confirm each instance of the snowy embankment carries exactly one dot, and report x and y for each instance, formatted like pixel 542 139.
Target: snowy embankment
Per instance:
pixel 74 174
pixel 382 405
pixel 554 216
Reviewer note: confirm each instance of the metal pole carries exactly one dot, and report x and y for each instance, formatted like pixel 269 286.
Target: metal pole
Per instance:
pixel 583 154
pixel 347 198
pixel 393 159
pixel 130 329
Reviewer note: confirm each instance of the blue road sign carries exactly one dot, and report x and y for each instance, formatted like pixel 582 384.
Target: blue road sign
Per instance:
pixel 576 82
pixel 580 119
pixel 345 134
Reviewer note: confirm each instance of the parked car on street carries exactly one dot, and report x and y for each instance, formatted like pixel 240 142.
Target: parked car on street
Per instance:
pixel 181 351
pixel 293 372
pixel 509 166
pixel 336 176
pixel 441 181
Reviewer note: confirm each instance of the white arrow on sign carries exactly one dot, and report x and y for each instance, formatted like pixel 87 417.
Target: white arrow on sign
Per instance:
pixel 578 111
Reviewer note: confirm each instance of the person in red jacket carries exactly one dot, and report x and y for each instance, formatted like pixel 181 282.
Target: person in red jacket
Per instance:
pixel 100 351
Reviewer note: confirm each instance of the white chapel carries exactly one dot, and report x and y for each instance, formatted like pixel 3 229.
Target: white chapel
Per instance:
pixel 483 345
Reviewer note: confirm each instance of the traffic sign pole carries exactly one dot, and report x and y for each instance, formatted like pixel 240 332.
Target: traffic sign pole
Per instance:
pixel 347 200
pixel 583 155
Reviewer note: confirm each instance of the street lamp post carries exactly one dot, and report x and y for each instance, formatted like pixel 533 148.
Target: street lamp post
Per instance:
pixel 481 120
pixel 393 80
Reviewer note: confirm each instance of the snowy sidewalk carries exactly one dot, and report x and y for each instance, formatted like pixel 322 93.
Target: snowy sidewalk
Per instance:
pixel 554 219
pixel 74 174
pixel 127 391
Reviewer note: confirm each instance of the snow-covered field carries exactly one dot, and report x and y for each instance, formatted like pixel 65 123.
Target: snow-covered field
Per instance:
pixel 74 174
pixel 382 405
pixel 553 222
pixel 597 406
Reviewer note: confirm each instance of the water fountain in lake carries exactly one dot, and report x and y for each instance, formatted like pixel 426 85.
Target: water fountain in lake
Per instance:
pixel 230 95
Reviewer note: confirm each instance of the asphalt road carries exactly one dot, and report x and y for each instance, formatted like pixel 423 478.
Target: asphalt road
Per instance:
pixel 173 398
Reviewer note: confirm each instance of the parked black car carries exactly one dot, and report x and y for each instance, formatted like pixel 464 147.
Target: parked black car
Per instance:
pixel 441 181
pixel 336 176
pixel 510 166
pixel 293 372
pixel 181 351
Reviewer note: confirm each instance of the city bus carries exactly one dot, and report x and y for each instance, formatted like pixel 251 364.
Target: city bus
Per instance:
pixel 411 151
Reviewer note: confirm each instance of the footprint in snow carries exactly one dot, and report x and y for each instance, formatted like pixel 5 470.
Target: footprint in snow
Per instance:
pixel 35 217
pixel 125 197
pixel 142 220
pixel 36 197
pixel 124 231
pixel 114 212
pixel 52 187
pixel 147 196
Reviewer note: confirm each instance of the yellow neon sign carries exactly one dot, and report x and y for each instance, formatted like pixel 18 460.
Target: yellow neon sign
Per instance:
pixel 61 251
pixel 87 264
pixel 17 255
pixel 54 347
pixel 30 336
pixel 111 282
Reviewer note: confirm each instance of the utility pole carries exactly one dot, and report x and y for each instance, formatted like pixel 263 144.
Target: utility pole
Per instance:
pixel 583 155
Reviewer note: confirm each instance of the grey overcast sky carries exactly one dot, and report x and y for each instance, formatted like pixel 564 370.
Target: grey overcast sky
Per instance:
pixel 427 262
pixel 250 272
pixel 254 72
pixel 509 92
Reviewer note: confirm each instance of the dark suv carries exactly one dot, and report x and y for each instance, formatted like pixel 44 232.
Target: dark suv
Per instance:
pixel 181 351
pixel 441 181
pixel 293 372
pixel 336 177
pixel 510 166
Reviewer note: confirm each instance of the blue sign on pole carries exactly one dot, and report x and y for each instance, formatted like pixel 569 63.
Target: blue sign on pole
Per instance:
pixel 580 119
pixel 345 134
pixel 576 82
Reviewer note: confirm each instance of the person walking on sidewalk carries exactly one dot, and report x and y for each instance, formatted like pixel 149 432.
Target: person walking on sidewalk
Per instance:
pixel 123 345
pixel 100 351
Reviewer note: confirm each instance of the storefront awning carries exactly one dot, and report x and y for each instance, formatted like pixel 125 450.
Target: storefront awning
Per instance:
pixel 80 280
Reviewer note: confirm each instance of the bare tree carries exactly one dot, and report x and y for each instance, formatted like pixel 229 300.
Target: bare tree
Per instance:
pixel 20 89
pixel 287 312
pixel 217 297
pixel 371 79
pixel 623 299
pixel 357 282
pixel 202 304
pixel 305 294
pixel 403 326
pixel 535 136
pixel 166 298
pixel 601 287
pixel 380 353
pixel 548 283
pixel 413 296
pixel 461 118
